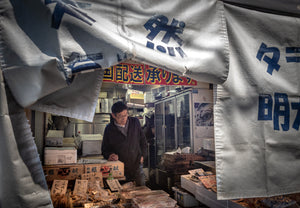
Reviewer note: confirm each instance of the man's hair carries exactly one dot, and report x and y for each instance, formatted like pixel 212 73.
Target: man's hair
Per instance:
pixel 118 107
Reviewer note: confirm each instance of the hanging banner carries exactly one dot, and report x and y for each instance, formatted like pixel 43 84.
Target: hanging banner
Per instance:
pixel 47 46
pixel 257 119
pixel 186 38
pixel 141 74
pixel 125 73
pixel 157 76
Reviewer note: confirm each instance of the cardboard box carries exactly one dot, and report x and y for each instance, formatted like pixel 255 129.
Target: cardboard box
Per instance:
pixel 139 96
pixel 136 101
pixel 92 168
pixel 135 96
pixel 63 172
pixel 54 138
pixel 179 163
pixel 114 167
pixel 60 155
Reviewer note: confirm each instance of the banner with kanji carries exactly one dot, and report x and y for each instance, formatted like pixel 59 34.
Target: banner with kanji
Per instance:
pixel 53 54
pixel 142 74
pixel 257 110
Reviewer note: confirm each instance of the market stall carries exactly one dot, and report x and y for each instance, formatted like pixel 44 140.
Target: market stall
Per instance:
pixel 55 55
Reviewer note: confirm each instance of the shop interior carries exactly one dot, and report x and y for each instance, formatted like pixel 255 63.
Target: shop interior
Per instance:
pixel 180 169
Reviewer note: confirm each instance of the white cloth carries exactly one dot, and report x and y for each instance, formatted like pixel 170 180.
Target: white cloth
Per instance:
pixel 46 46
pixel 22 182
pixel 256 112
pixel 44 43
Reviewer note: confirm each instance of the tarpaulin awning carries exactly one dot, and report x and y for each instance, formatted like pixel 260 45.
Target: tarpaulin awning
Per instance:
pixel 44 43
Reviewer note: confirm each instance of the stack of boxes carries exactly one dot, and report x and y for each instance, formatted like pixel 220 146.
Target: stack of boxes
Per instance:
pixel 56 152
pixel 135 97
pixel 91 144
pixel 60 157
pixel 75 171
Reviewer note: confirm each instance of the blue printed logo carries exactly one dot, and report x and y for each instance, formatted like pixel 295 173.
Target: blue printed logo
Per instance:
pixel 159 24
pixel 271 56
pixel 278 108
pixel 78 63
pixel 69 7
pixel 271 61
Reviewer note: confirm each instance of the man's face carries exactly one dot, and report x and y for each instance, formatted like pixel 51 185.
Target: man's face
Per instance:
pixel 121 118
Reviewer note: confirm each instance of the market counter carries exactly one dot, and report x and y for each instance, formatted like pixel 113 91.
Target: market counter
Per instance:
pixel 204 191
pixel 205 196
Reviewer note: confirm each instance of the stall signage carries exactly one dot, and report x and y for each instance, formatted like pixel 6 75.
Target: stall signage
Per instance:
pixel 142 74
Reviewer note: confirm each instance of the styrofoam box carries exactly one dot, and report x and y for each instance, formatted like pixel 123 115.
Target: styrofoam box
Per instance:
pixel 54 138
pixel 91 147
pixel 184 199
pixel 60 155
pixel 69 142
pixel 91 144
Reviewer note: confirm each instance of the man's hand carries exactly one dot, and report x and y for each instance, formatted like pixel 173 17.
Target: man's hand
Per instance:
pixel 142 160
pixel 113 157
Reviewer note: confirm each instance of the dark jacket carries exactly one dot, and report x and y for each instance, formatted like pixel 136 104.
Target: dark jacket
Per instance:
pixel 129 149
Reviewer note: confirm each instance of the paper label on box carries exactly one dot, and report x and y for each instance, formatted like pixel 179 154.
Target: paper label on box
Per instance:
pixel 80 187
pixel 92 168
pixel 114 167
pixel 114 185
pixel 93 177
pixel 65 172
pixel 58 155
pixel 59 187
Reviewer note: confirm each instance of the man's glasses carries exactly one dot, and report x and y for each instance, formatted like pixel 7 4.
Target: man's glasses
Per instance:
pixel 119 116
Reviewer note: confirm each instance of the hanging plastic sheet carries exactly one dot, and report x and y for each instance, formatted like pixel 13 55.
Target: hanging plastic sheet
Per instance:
pixel 48 46
pixel 22 182
pixel 257 108
pixel 287 7
pixel 45 43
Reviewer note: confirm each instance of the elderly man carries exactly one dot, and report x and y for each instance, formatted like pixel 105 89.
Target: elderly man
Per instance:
pixel 124 140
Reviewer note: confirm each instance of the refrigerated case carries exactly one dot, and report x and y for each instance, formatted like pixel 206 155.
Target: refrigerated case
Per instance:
pixel 183 120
